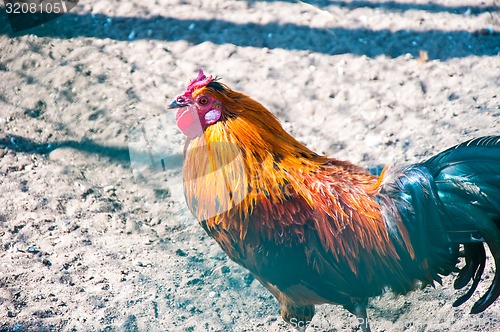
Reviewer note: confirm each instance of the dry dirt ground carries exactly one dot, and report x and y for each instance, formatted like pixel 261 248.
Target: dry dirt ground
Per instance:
pixel 94 231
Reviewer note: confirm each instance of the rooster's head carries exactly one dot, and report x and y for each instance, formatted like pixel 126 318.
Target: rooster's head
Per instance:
pixel 199 105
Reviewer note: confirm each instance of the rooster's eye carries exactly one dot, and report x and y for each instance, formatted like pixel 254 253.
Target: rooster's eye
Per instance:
pixel 203 100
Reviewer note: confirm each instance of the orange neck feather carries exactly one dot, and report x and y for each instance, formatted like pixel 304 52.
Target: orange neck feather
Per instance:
pixel 251 153
pixel 247 164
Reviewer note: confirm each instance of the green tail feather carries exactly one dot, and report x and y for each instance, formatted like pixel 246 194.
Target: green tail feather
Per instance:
pixel 448 200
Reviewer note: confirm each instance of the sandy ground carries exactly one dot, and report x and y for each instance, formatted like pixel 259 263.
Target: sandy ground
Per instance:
pixel 94 231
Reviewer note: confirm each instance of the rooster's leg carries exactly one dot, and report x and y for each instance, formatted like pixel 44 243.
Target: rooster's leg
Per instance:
pixel 358 309
pixel 300 329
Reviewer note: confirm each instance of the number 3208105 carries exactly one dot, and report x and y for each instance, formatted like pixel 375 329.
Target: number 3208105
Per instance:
pixel 32 8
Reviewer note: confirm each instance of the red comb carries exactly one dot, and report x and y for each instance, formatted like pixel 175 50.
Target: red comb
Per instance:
pixel 199 82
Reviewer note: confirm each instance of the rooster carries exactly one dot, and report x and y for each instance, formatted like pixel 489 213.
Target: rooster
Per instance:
pixel 316 230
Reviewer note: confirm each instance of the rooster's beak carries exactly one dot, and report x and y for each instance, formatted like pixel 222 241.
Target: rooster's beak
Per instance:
pixel 175 104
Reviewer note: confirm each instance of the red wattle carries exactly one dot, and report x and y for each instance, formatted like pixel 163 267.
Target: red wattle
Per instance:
pixel 188 122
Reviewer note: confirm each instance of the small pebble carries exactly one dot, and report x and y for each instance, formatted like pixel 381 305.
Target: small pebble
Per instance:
pixel 486 31
pixel 33 249
pixel 109 188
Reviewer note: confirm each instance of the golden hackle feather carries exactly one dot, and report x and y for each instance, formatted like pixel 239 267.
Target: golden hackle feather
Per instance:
pixel 246 174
